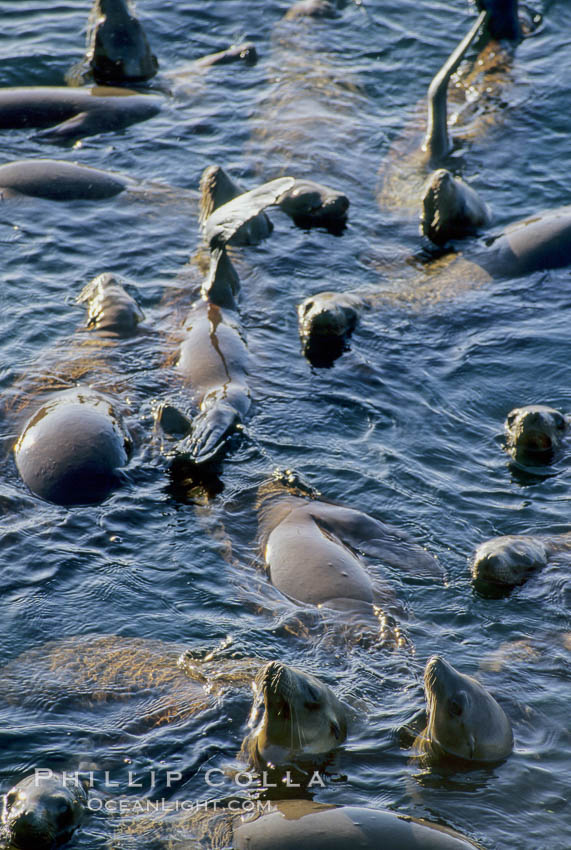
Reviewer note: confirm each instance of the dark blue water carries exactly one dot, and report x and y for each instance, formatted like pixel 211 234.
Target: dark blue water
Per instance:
pixel 406 426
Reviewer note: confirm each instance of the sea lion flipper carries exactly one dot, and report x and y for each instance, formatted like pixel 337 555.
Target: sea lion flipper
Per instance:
pixel 209 432
pixel 72 129
pixel 377 540
pixel 228 219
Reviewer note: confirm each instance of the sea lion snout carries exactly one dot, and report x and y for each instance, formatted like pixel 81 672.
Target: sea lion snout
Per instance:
pixel 535 431
pixel 42 813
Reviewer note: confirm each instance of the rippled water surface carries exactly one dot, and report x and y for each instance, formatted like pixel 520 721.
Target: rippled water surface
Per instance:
pixel 406 425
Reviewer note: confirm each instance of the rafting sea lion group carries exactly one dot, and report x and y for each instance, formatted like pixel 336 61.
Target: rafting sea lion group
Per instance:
pixel 74 447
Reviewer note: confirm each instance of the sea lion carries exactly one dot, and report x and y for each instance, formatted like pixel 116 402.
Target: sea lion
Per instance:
pixel 305 825
pixel 111 310
pixel 213 363
pixel 312 551
pixel 42 812
pixel 535 433
pixel 301 718
pixel 71 114
pixel 508 560
pixel 118 49
pixel 238 221
pixel 57 180
pixel 72 449
pixel 464 720
pixel 451 209
pixel 326 320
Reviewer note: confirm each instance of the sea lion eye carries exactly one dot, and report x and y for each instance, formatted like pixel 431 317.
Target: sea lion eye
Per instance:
pixel 511 419
pixel 560 424
pixel 11 798
pixel 308 306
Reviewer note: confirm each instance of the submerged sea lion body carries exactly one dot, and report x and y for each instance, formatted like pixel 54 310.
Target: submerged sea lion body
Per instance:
pixel 41 812
pixel 71 450
pixel 297 825
pixel 464 720
pixel 306 825
pixel 301 718
pixel 508 560
pixel 72 113
pixel 57 180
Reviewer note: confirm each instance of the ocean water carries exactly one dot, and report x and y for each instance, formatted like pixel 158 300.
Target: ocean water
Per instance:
pixel 406 425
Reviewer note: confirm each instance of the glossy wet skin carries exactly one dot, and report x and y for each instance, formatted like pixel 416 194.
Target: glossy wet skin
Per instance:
pixel 71 113
pixel 41 813
pixel 508 560
pixel 464 720
pixel 450 208
pixel 57 180
pixel 301 717
pixel 535 433
pixel 119 51
pixel 306 825
pixel 503 21
pixel 313 204
pixel 71 449
pixel 111 310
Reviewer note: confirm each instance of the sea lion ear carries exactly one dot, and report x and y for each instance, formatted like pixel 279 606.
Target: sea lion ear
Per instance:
pixel 456 704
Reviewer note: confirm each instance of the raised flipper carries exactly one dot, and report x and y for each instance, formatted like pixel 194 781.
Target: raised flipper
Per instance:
pixel 210 430
pixel 437 142
pixel 172 421
pixel 226 221
pixel 375 539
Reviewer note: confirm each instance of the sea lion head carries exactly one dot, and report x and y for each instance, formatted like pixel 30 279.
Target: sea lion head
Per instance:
pixel 450 208
pixel 302 717
pixel 311 204
pixel 118 48
pixel 40 813
pixel 464 720
pixel 535 433
pixel 326 321
pixel 110 308
pixel 507 561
